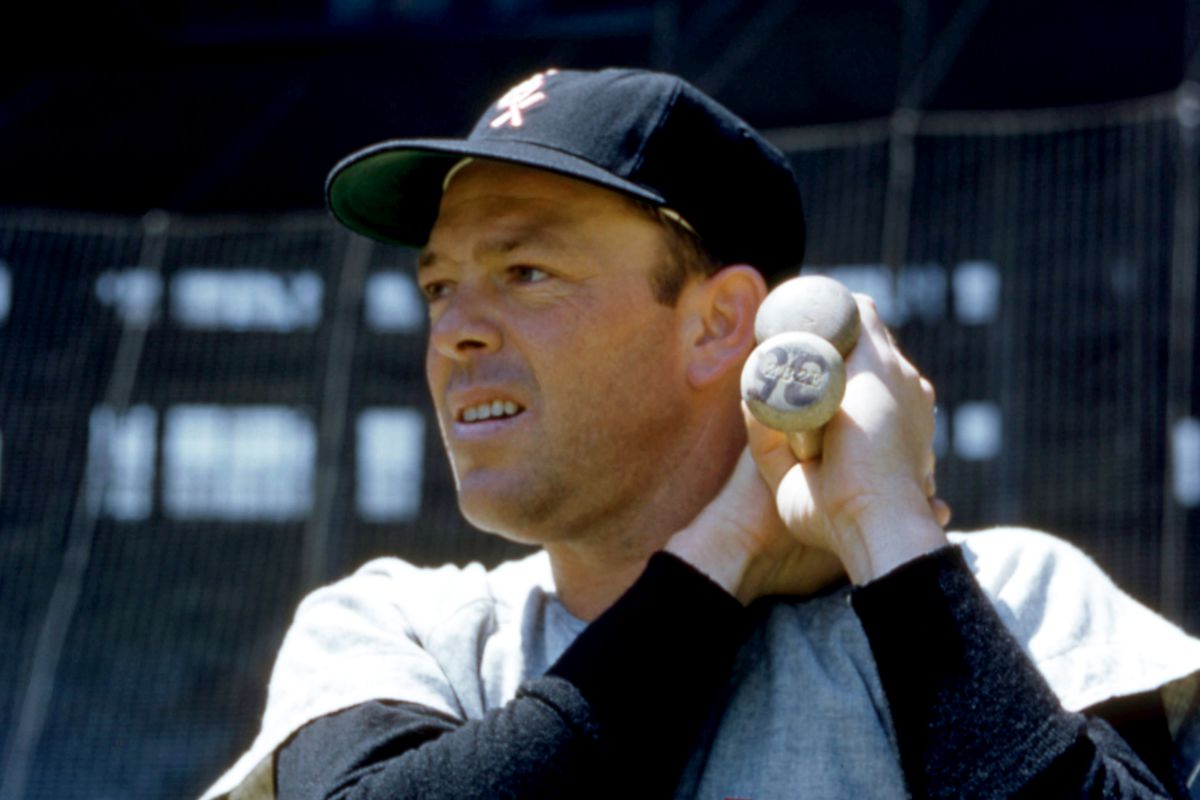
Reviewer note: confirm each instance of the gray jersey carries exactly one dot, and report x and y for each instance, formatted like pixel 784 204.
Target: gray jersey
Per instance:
pixel 804 707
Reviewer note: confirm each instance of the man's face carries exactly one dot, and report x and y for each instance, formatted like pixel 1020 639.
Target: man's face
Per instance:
pixel 558 379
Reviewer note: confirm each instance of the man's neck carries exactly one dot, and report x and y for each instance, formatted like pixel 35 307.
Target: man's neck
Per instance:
pixel 592 571
pixel 589 581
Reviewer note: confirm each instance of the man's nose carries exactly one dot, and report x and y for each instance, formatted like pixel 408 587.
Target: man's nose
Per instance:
pixel 466 326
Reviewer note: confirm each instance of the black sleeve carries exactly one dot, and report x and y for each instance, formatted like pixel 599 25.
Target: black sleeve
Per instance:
pixel 665 645
pixel 973 716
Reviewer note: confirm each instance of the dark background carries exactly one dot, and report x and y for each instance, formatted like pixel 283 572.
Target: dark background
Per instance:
pixel 232 106
pixel 1053 143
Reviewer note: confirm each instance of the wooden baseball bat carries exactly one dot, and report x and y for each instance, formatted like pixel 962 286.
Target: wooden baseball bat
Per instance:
pixel 795 379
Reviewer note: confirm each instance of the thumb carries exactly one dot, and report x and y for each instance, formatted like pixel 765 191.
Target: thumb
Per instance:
pixel 770 449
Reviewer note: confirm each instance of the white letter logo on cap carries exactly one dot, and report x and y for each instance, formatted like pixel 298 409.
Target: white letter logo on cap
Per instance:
pixel 525 94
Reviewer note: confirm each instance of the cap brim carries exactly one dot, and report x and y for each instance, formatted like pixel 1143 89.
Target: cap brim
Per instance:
pixel 391 190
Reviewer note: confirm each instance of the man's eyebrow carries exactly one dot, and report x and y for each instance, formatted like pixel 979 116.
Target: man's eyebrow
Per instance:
pixel 426 259
pixel 499 245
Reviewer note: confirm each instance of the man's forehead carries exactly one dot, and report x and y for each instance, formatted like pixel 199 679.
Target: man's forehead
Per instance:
pixel 474 178
pixel 520 205
pixel 506 238
pixel 497 228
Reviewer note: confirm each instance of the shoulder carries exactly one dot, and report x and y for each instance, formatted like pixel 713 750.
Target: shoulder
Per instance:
pixel 400 596
pixel 386 622
pixel 1020 566
pixel 1091 640
pixel 384 633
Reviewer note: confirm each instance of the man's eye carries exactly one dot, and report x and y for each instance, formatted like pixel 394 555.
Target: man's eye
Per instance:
pixel 526 274
pixel 435 289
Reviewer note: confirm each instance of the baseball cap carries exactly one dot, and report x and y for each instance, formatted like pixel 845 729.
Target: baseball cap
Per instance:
pixel 649 135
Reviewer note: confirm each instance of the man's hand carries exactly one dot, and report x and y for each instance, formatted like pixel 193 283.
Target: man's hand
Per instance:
pixel 870 498
pixel 740 542
pixel 864 507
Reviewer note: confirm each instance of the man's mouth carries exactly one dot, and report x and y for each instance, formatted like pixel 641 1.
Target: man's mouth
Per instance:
pixel 496 409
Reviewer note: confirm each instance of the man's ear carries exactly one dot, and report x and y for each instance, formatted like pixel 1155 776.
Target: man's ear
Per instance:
pixel 720 328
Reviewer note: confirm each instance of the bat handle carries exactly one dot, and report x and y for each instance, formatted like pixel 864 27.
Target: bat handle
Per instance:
pixel 794 380
pixel 806 445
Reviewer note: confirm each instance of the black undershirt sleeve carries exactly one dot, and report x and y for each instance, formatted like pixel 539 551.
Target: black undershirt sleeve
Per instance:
pixel 973 717
pixel 613 717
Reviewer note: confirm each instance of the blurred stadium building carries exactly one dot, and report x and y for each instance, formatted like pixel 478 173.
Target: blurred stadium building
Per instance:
pixel 212 398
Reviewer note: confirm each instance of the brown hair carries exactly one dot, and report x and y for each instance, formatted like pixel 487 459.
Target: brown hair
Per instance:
pixel 687 256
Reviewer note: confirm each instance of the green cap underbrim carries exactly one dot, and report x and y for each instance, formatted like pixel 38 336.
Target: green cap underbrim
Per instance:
pixel 391 195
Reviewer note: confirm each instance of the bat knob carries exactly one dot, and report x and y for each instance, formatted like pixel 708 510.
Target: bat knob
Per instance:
pixel 794 381
pixel 811 303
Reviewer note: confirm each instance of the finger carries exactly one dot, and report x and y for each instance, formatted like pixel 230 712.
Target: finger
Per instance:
pixel 872 324
pixel 929 392
pixel 941 511
pixel 871 356
pixel 868 313
pixel 930 395
pixel 880 347
pixel 770 449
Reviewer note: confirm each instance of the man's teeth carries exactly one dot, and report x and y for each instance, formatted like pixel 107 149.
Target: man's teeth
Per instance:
pixel 496 408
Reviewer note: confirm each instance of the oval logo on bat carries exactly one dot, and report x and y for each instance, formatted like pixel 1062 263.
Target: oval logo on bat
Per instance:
pixel 799 374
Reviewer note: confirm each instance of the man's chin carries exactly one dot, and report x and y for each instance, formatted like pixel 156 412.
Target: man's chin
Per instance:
pixel 511 516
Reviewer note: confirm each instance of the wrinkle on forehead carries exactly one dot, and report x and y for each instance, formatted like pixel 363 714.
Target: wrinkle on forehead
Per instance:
pixel 481 180
pixel 534 238
pixel 523 207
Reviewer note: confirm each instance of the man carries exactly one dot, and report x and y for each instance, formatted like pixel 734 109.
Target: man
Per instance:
pixel 594 254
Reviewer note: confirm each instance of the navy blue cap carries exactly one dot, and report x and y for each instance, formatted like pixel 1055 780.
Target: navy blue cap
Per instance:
pixel 649 135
